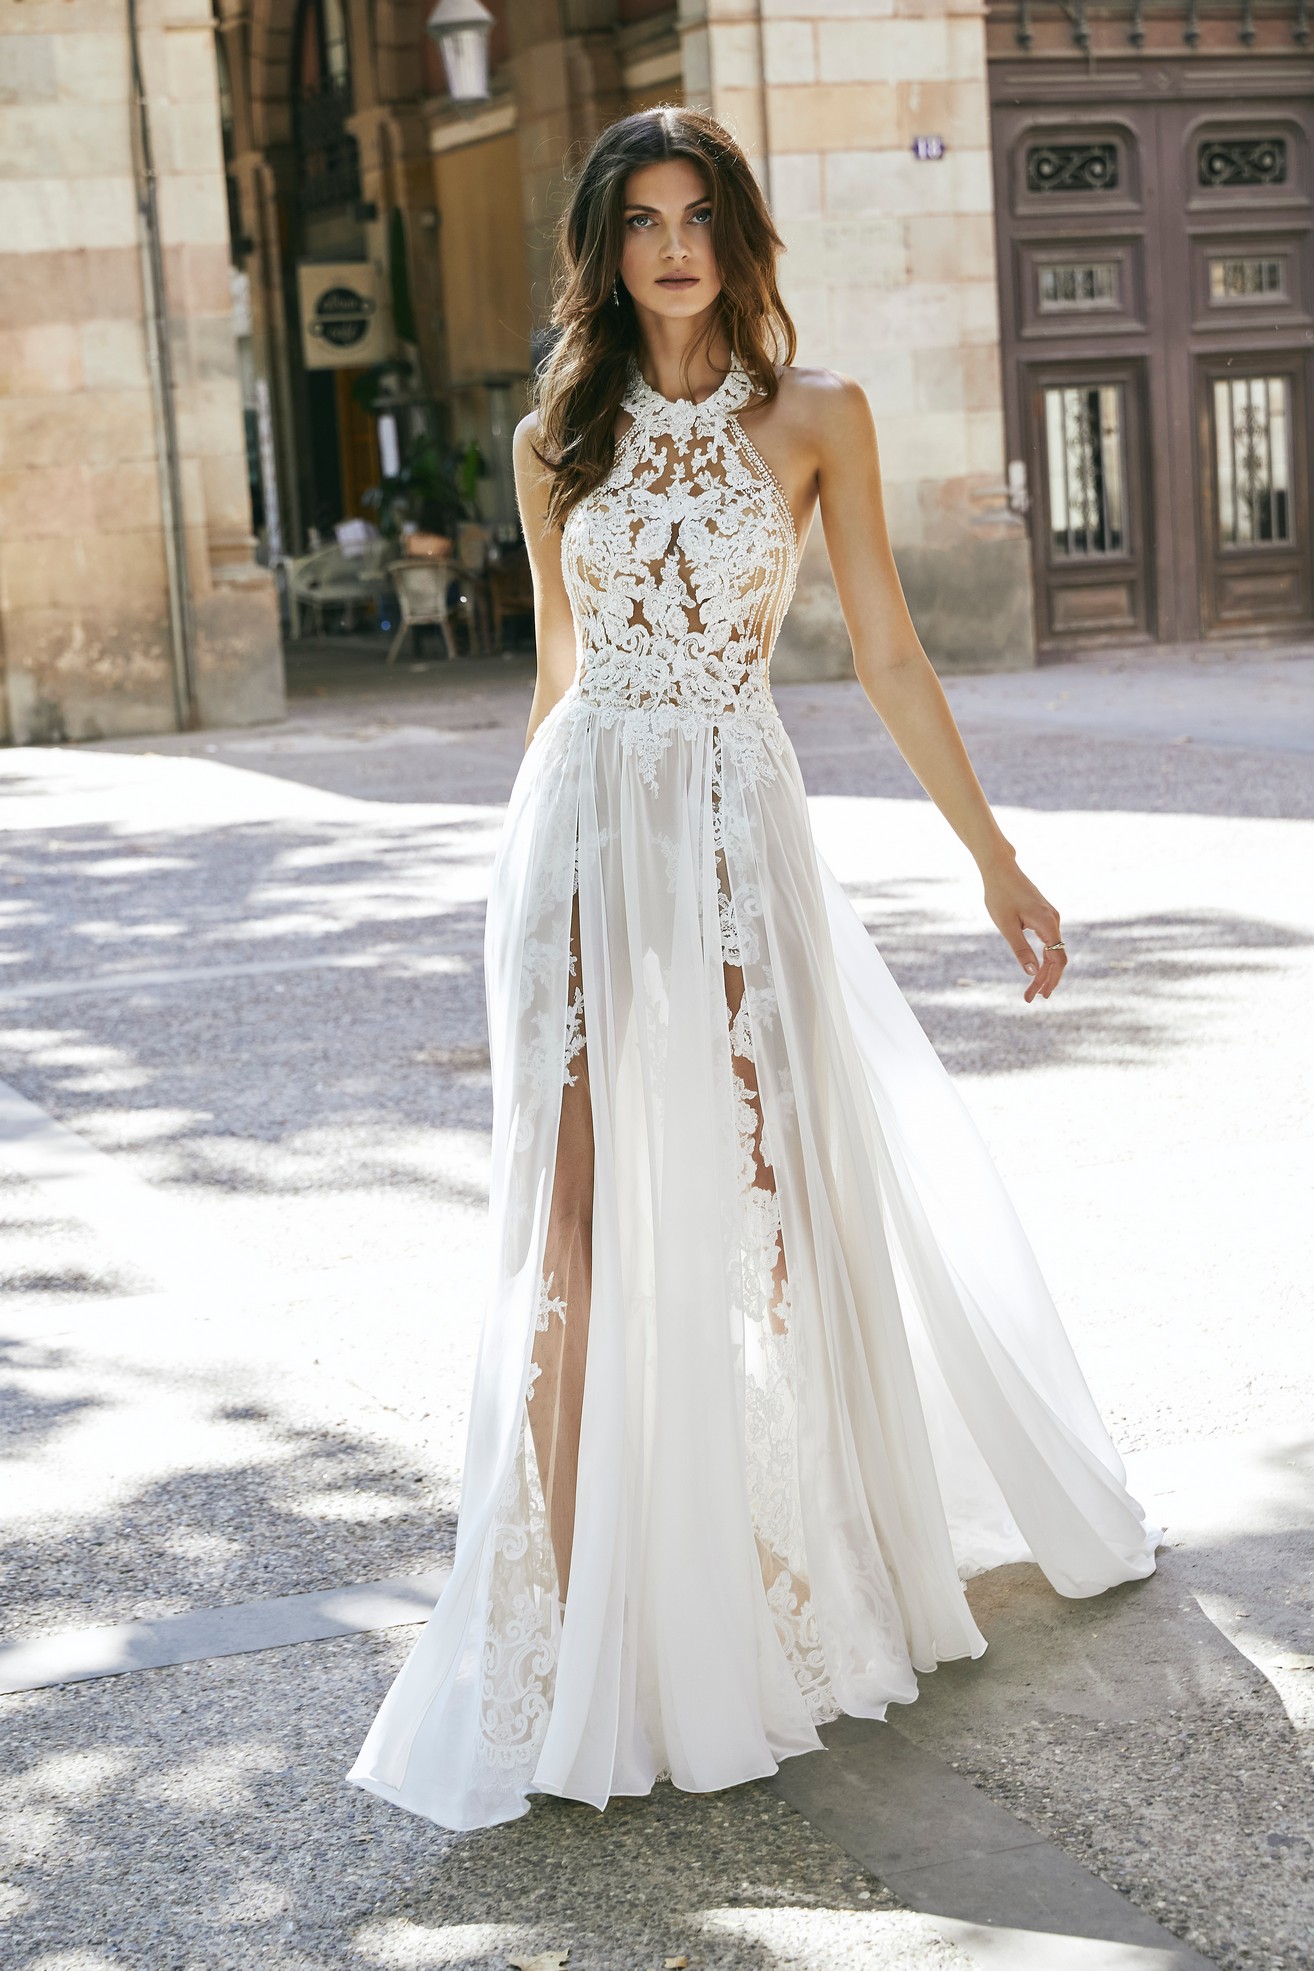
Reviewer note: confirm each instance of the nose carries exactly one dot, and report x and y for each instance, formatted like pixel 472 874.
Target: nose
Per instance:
pixel 674 246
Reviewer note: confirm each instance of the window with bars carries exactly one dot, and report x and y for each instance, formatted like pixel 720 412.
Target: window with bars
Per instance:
pixel 1074 286
pixel 1252 438
pixel 1084 457
pixel 1247 277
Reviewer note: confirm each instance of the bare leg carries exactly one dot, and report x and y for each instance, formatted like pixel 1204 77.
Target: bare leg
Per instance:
pixel 561 1343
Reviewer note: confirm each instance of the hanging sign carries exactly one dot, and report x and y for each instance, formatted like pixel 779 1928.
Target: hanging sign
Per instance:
pixel 341 324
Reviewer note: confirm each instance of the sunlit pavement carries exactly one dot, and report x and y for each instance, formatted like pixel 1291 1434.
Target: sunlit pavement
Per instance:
pixel 243 1160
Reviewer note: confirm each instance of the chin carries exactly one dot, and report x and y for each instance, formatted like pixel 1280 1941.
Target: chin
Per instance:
pixel 685 301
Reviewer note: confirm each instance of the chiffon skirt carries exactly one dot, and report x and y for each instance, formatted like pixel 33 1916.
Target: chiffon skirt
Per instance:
pixel 767 1366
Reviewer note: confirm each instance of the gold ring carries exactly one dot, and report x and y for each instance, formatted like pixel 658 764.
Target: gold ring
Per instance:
pixel 1058 945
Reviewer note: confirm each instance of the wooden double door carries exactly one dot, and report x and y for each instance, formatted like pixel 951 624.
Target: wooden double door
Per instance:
pixel 1156 261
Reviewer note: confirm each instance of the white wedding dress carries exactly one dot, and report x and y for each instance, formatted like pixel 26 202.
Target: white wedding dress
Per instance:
pixel 767 1366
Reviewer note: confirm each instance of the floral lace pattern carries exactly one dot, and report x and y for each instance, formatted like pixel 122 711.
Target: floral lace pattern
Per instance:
pixel 679 569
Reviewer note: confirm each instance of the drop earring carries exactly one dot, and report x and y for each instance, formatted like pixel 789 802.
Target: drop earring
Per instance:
pixel 615 292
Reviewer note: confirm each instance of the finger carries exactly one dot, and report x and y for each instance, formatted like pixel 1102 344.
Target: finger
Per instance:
pixel 1021 947
pixel 1051 972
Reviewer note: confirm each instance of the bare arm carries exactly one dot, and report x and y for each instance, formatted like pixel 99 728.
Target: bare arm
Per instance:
pixel 897 676
pixel 554 629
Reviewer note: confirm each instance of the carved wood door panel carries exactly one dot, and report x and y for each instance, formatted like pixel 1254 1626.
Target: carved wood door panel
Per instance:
pixel 1157 301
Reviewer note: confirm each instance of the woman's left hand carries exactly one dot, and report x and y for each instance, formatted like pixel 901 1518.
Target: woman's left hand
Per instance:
pixel 1016 907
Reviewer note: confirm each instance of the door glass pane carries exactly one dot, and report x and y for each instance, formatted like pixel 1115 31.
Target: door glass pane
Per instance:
pixel 1251 435
pixel 1084 455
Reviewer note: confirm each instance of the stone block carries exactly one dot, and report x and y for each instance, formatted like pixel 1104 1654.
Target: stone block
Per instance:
pixel 926 445
pixel 939 383
pixel 125 498
pixel 978 308
pixel 114 355
pixel 886 50
pixel 866 252
pixel 964 379
pixel 186 140
pixel 197 278
pixel 239 657
pixel 110 574
pixel 734 53
pixel 789 48
pixel 210 419
pixel 825 10
pixel 971 602
pixel 62 141
pixel 795 186
pixel 193 210
pixel 809 309
pixel 967 50
pixel 38 362
pixel 93 68
pixel 74 674
pixel 957 111
pixel 45 215
pixel 741 112
pixel 832 116
pixel 985 442
pixel 39 501
pixel 886 376
pixel 192 76
pixel 957 246
pixel 923 317
pixel 227 497
pixel 29 71
pixel 95 428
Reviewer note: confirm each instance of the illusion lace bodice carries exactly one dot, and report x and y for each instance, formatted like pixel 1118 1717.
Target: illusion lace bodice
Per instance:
pixel 681 564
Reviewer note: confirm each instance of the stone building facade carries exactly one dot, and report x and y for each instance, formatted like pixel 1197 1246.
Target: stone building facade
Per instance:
pixel 1065 248
pixel 89 629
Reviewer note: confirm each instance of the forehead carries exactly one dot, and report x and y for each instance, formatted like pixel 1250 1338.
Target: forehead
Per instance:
pixel 672 183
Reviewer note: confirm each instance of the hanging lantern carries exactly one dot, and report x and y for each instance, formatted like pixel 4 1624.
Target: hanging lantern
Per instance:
pixel 461 28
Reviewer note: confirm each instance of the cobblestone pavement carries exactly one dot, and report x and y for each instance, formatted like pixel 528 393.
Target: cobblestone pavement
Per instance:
pixel 245 969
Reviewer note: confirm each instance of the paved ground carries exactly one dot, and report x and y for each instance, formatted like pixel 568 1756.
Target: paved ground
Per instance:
pixel 241 1300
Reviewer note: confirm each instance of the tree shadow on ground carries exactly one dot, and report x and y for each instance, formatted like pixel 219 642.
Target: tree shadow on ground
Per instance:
pixel 1126 980
pixel 1123 1728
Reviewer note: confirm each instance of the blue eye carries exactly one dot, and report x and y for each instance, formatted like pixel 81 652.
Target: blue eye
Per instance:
pixel 703 218
pixel 637 219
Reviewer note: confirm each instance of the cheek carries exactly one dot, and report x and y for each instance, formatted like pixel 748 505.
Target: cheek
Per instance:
pixel 636 253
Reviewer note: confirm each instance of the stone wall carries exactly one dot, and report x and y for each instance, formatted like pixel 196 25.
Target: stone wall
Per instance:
pixel 84 620
pixel 890 277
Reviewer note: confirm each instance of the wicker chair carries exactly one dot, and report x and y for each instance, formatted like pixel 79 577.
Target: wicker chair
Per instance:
pixel 422 586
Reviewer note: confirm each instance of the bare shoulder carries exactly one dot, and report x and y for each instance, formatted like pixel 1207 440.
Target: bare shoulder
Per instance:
pixel 829 409
pixel 524 439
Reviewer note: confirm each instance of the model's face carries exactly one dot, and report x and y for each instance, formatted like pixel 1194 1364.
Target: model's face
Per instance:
pixel 667 262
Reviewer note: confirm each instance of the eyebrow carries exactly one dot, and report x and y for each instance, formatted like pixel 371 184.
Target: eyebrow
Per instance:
pixel 632 205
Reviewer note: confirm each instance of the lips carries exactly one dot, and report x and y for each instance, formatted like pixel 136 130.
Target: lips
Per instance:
pixel 677 280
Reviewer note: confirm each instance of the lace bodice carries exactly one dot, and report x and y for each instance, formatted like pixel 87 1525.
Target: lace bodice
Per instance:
pixel 681 564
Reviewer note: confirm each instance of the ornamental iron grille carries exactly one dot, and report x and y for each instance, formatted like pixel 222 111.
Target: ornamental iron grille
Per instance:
pixel 1072 167
pixel 1247 278
pixel 1074 286
pixel 1243 161
pixel 1252 419
pixel 1084 456
pixel 328 157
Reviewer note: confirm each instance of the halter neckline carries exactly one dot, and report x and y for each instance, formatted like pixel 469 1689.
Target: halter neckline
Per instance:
pixel 729 396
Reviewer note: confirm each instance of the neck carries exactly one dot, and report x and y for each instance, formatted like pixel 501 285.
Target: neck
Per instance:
pixel 684 358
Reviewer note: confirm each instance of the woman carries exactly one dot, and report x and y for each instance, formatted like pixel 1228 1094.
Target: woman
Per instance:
pixel 768 1367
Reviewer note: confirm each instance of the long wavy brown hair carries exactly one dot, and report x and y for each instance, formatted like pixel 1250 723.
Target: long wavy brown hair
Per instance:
pixel 581 385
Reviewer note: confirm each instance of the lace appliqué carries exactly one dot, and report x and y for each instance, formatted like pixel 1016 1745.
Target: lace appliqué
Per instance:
pixel 523 1630
pixel 770 1413
pixel 680 568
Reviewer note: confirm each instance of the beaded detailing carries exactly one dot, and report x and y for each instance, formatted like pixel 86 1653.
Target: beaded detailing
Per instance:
pixel 679 569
